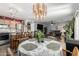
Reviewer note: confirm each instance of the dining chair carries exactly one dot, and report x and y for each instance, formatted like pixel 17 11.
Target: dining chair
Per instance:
pixel 9 52
pixel 63 44
pixel 75 51
pixel 14 42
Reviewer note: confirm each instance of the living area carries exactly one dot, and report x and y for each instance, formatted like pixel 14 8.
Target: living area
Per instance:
pixel 39 29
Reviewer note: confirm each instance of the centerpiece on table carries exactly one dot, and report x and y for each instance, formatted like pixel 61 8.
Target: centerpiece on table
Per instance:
pixel 39 35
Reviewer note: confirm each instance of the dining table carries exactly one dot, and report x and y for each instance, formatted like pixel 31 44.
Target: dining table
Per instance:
pixel 32 47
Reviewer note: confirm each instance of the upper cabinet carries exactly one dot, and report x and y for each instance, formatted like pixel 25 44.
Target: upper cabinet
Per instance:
pixel 10 24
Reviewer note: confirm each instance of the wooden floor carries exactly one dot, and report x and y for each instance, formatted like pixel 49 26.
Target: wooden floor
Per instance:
pixel 3 50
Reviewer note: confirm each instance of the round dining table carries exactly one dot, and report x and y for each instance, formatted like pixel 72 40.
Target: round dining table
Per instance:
pixel 31 47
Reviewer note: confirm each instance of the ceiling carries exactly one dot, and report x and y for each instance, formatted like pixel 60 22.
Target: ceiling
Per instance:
pixel 57 12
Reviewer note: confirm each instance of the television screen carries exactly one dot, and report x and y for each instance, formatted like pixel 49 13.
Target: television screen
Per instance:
pixel 40 27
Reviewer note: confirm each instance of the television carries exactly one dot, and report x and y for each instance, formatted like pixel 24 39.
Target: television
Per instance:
pixel 40 27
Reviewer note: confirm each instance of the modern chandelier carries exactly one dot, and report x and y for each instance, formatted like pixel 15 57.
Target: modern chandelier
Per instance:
pixel 39 10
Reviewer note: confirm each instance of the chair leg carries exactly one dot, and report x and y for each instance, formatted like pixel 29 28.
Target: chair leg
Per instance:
pixel 9 52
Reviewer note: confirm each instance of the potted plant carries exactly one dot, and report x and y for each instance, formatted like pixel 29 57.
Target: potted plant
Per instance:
pixel 39 36
pixel 69 28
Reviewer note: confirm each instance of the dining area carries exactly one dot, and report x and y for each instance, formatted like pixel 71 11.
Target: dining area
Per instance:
pixel 29 46
pixel 42 34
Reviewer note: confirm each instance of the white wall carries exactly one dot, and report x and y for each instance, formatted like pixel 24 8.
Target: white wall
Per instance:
pixel 61 25
pixel 77 26
pixel 58 26
pixel 53 27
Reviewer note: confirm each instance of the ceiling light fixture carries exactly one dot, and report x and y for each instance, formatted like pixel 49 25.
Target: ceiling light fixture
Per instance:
pixel 39 10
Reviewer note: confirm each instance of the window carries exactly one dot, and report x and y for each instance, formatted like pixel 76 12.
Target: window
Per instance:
pixel 3 26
